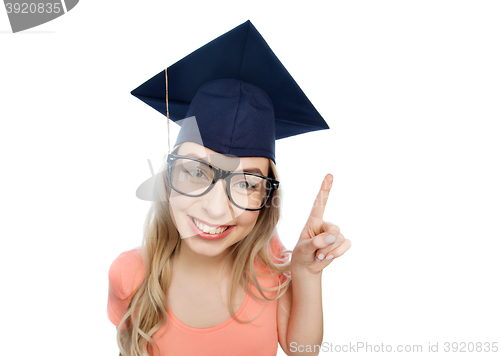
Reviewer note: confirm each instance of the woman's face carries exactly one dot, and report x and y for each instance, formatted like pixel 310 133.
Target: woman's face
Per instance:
pixel 209 224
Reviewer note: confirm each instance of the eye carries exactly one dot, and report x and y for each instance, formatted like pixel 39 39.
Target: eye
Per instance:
pixel 197 173
pixel 247 183
pixel 242 184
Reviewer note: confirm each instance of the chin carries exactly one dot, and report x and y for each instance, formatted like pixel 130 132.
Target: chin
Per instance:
pixel 206 248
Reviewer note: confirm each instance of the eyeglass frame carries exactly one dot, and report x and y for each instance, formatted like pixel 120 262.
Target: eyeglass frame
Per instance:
pixel 220 174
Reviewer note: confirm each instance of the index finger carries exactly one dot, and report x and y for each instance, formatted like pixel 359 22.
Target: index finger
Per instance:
pixel 322 197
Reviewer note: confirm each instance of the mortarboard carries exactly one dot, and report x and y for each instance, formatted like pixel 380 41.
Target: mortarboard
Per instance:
pixel 241 95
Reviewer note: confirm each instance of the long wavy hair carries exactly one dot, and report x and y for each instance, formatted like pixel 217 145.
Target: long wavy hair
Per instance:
pixel 147 311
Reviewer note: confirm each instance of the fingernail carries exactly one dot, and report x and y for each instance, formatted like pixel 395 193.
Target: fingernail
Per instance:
pixel 330 239
pixel 329 257
pixel 320 257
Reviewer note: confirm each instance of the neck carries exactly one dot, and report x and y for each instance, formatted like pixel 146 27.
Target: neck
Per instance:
pixel 206 267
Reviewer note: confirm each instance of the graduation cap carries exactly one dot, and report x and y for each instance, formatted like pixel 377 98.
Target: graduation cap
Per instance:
pixel 241 95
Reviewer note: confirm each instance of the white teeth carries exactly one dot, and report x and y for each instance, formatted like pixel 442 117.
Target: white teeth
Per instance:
pixel 208 229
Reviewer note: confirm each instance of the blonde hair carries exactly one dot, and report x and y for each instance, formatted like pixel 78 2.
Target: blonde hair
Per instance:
pixel 147 311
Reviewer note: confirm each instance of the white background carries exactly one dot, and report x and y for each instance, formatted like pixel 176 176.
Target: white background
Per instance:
pixel 411 93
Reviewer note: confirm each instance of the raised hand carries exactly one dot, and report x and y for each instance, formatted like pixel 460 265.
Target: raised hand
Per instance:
pixel 320 242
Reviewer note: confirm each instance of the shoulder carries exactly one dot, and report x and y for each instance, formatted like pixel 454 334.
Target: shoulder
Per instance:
pixel 273 252
pixel 270 252
pixel 126 273
pixel 276 248
pixel 267 275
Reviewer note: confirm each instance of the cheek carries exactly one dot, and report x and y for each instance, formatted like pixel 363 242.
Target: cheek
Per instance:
pixel 248 219
pixel 179 207
pixel 179 202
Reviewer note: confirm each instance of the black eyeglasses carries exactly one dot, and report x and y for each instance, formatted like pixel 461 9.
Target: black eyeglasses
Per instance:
pixel 195 177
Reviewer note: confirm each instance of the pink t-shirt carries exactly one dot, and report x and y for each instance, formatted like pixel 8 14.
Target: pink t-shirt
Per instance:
pixel 260 337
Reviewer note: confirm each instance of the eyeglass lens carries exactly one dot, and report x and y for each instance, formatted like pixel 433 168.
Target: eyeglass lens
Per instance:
pixel 195 178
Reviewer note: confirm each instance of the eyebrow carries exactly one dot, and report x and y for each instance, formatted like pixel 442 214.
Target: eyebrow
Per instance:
pixel 246 170
pixel 254 170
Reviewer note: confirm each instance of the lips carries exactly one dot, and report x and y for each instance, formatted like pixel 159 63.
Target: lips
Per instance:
pixel 208 231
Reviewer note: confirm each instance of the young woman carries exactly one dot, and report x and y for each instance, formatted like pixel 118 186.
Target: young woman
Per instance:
pixel 212 277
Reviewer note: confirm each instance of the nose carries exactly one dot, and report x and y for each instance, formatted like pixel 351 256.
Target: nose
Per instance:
pixel 216 201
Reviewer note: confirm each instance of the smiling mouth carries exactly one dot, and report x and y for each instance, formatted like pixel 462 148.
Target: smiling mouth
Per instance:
pixel 209 229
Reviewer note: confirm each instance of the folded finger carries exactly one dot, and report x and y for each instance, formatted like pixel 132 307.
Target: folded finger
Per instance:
pixel 339 251
pixel 323 252
pixel 320 241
